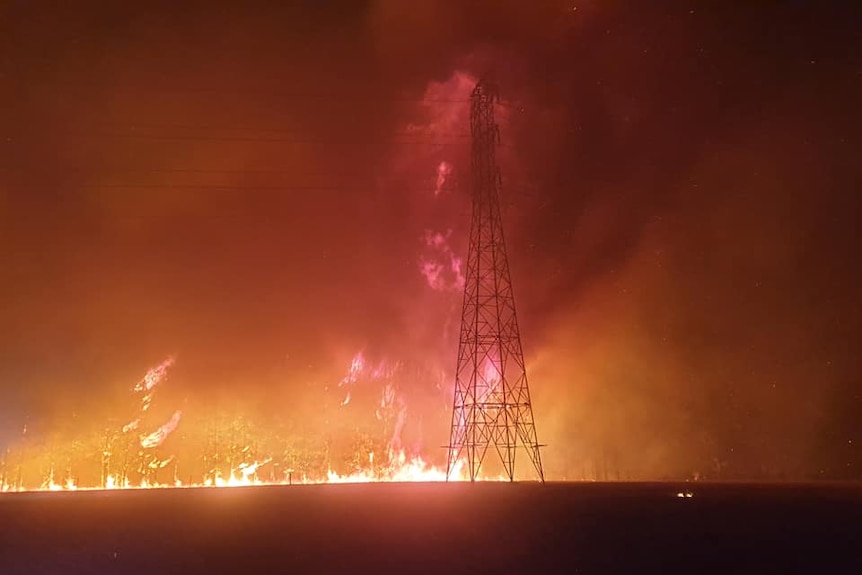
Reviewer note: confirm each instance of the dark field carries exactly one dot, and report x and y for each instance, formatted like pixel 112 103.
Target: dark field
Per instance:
pixel 437 528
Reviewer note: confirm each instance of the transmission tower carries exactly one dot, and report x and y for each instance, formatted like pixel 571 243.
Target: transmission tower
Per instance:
pixel 492 401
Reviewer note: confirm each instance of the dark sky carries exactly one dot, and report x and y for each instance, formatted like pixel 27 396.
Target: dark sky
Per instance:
pixel 247 187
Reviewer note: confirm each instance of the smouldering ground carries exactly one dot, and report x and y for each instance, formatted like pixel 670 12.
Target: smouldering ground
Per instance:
pixel 437 528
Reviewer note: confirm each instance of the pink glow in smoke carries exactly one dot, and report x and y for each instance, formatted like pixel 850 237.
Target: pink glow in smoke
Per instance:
pixel 443 171
pixel 439 264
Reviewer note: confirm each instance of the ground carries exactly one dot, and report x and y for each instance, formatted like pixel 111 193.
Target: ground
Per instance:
pixel 437 528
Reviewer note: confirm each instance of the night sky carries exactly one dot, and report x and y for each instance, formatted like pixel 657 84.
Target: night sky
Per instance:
pixel 250 188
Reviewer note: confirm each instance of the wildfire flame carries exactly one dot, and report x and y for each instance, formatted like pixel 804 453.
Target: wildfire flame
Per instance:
pixel 405 469
pixel 145 447
pixel 158 436
pixel 396 465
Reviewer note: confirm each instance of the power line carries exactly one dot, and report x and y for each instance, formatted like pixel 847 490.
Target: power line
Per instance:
pixel 103 169
pixel 220 187
pixel 357 178
pixel 289 97
pixel 216 187
pixel 305 141
pixel 313 97
pixel 454 139
pixel 267 130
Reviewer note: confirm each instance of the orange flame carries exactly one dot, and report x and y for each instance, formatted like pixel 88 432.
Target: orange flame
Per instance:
pixel 394 466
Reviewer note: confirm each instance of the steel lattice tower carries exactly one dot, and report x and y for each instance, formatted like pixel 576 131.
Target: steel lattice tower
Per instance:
pixel 492 406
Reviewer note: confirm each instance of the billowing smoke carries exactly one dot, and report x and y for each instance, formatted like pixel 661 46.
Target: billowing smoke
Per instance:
pixel 678 211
